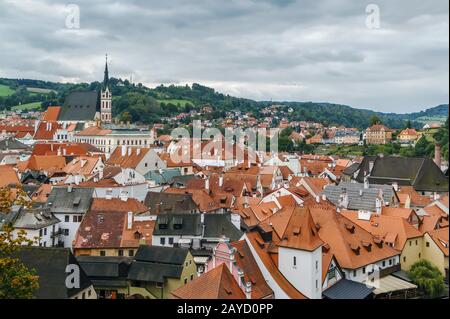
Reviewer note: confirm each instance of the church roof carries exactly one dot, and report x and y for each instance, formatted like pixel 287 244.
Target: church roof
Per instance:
pixel 80 106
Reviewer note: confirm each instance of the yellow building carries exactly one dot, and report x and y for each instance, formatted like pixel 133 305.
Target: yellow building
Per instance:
pixel 408 136
pixel 378 134
pixel 435 249
pixel 156 271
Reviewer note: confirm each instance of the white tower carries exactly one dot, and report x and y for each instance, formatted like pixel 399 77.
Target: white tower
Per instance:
pixel 106 98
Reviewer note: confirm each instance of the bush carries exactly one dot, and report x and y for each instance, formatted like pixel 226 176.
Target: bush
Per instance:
pixel 428 278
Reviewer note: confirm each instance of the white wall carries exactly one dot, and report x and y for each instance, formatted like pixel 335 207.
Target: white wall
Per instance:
pixel 306 275
pixel 70 225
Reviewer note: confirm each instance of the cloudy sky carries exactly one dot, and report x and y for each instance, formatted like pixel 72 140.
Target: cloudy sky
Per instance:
pixel 302 50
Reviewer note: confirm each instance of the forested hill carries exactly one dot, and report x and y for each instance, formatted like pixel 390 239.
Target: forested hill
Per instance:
pixel 140 103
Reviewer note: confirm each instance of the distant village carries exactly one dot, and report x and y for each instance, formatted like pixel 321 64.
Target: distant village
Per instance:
pixel 107 196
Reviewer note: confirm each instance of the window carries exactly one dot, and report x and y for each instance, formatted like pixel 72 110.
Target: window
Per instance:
pixel 45 231
pixel 170 240
pixel 332 272
pixel 416 242
pixel 317 284
pixel 295 261
pixel 410 243
pixel 364 270
pixel 192 277
pixel 420 255
pixel 428 244
pixel 89 292
pixel 162 241
pixel 354 273
pixel 131 253
pixel 317 265
pixel 384 263
pixel 404 259
pixel 185 281
pixel 120 253
pixel 66 218
pixel 40 232
pixel 102 253
pixel 66 232
pixel 75 219
pixel 390 262
pixel 83 296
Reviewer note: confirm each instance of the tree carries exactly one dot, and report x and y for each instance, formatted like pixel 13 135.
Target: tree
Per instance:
pixel 16 280
pixel 374 120
pixel 8 198
pixel 424 148
pixel 428 278
pixel 408 124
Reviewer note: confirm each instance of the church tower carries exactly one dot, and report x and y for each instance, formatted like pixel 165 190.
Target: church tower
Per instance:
pixel 106 98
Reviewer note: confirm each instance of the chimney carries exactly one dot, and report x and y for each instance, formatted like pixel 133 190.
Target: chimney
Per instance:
pixel 220 180
pixel 437 155
pixel 130 220
pixel 129 151
pixel 395 186
pixel 366 182
pixel 248 290
pixel 324 197
pixel 138 151
pixel 207 183
pixel 123 150
pixel 64 151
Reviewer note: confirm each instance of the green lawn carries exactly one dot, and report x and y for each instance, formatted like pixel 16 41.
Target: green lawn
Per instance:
pixel 174 101
pixel 432 119
pixel 5 90
pixel 39 91
pixel 28 106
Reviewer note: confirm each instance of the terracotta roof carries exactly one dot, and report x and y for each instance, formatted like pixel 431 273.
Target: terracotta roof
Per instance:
pixel 301 232
pixel 247 263
pixel 416 199
pixel 46 130
pixel 68 149
pixel 8 176
pixel 41 195
pixel 378 127
pixel 392 229
pixel 50 163
pixel 440 237
pixel 348 241
pixel 82 165
pixel 434 210
pixel 316 184
pixel 118 205
pixel 109 229
pixel 263 250
pixel 286 172
pixel 94 131
pixel 133 156
pixel 51 114
pixel 215 284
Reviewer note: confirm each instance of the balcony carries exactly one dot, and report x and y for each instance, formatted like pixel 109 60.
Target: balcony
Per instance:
pixel 57 233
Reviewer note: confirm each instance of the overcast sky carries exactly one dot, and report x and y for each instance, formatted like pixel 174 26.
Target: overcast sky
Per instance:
pixel 287 50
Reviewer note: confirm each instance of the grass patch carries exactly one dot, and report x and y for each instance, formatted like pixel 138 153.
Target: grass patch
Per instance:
pixel 39 91
pixel 5 90
pixel 27 106
pixel 432 119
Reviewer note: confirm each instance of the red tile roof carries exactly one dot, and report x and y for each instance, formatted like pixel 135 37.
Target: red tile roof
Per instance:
pixel 217 283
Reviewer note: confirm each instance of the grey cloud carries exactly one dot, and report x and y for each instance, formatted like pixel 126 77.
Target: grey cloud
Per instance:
pixel 262 49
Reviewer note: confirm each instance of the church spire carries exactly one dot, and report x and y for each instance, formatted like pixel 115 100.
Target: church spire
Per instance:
pixel 106 79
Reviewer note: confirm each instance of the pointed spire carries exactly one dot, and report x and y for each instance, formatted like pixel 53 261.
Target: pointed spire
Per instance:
pixel 106 79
